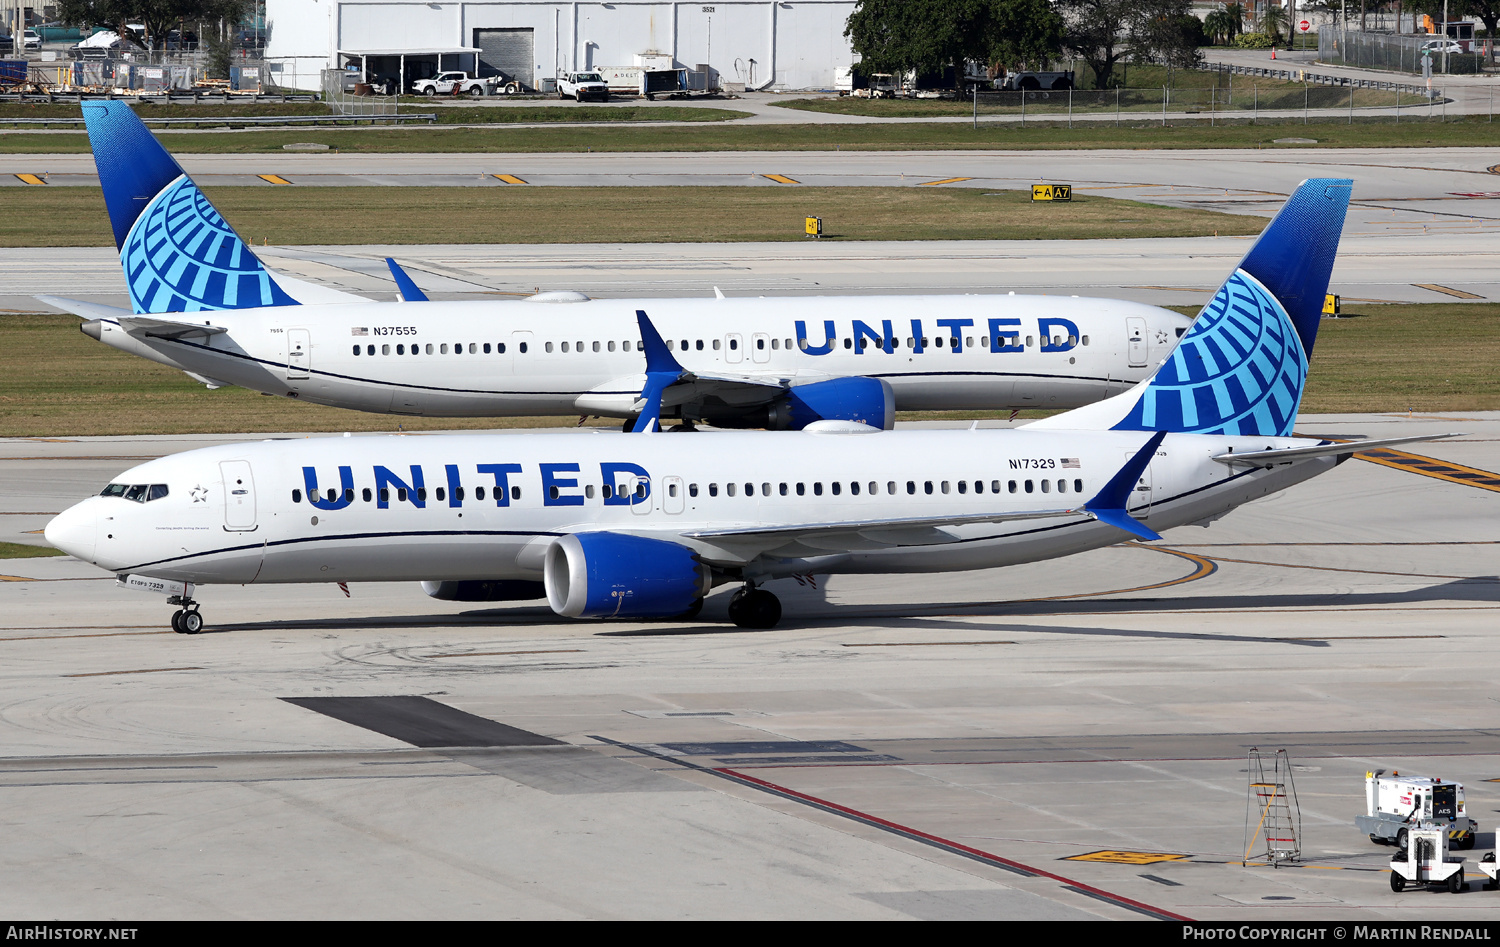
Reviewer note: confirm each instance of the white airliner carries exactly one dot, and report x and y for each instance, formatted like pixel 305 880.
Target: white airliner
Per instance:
pixel 610 525
pixel 204 304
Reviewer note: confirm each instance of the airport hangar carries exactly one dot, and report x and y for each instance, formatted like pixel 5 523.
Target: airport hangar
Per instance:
pixel 756 45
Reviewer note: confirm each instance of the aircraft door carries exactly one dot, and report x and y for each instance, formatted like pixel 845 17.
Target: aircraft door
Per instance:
pixel 298 353
pixel 734 347
pixel 673 498
pixel 1135 334
pixel 760 347
pixel 640 494
pixel 239 496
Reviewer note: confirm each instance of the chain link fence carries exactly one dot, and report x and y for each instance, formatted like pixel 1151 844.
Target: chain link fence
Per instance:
pixel 345 95
pixel 1391 52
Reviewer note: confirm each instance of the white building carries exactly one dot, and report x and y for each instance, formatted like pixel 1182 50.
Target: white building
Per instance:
pixel 760 44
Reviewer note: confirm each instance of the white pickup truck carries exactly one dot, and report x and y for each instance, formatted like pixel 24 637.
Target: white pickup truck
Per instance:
pixel 453 83
pixel 582 85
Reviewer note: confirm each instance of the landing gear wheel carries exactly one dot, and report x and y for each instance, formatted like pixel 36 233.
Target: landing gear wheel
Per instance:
pixel 191 622
pixel 754 608
pixel 1398 883
pixel 1456 882
pixel 177 621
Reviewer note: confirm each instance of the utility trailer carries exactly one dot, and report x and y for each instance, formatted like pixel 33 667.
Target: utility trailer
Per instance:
pixel 12 73
pixel 1030 81
pixel 1394 803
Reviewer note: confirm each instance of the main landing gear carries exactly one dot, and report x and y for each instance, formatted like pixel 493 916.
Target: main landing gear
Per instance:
pixel 187 620
pixel 754 608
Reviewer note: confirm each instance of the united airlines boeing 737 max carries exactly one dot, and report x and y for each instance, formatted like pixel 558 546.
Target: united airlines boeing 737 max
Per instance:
pixel 611 525
pixel 203 303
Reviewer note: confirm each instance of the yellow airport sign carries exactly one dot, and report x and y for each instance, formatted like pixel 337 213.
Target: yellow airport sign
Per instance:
pixel 814 227
pixel 1330 305
pixel 1052 192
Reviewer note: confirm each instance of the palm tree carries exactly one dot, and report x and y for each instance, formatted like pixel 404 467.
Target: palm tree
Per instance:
pixel 1218 25
pixel 1276 21
pixel 1235 13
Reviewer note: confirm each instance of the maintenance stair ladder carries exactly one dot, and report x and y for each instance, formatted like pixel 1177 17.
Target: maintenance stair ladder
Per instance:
pixel 1273 820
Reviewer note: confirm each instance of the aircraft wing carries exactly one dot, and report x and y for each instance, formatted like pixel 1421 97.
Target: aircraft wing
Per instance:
pixel 851 535
pixel 737 390
pixel 1287 455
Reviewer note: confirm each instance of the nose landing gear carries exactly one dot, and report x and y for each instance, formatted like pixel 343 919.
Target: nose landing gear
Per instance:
pixel 754 608
pixel 187 620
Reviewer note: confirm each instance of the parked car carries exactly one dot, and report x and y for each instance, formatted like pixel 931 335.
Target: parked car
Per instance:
pixel 582 85
pixel 31 39
pixel 1439 46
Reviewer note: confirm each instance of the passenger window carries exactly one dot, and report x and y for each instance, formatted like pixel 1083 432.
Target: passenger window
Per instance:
pixel 927 487
pixel 515 493
pixel 401 494
pixel 848 343
pixel 422 494
pixel 349 495
pixel 760 344
pixel 1077 486
pixel 369 350
pixel 400 350
pixel 734 345
pixel 995 487
pixel 578 347
pixel 836 487
pixel 296 496
pixel 749 489
pixel 1085 340
pixel 366 494
pixel 729 489
pixel 671 490
pixel 978 486
pixel 332 494
pixel 588 491
pixel 385 494
pixel 548 347
pixel 818 488
pixel 1029 487
pixel 521 348
pixel 596 346
pixel 801 489
pixel 700 345
pixel 945 486
pixel 911 487
pixel 963 487
pixel 854 489
pixel 356 350
pixel 478 493
pixel 429 348
pixel 692 489
pixel 775 343
pixel 565 346
pixel 609 491
pixel 440 494
pixel 938 342
pixel 443 349
pixel 1046 486
pixel 684 345
pixel 1028 341
pixel 890 487
pixel 486 348
pixel 500 348
pixel 1072 340
pixel 783 489
pixel 611 346
pixel 716 345
pixel 472 347
pixel 385 350
pixel 713 489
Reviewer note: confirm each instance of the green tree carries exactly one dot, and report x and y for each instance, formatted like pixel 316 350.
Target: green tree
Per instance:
pixel 1105 32
pixel 158 16
pixel 926 35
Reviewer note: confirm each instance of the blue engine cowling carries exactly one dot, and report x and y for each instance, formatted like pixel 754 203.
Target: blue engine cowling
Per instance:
pixel 485 590
pixel 613 575
pixel 866 400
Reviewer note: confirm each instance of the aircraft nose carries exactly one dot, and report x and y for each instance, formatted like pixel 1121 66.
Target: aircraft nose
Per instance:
pixel 74 531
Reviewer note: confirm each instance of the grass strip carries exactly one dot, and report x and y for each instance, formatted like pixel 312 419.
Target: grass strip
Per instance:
pixel 447 114
pixel 24 551
pixel 56 382
pixel 1133 132
pixel 75 216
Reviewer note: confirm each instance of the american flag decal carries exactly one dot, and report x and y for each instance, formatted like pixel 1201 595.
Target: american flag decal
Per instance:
pixel 1069 462
pixel 359 330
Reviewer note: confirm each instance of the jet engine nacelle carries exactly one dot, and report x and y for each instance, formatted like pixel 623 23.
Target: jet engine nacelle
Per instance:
pixel 865 400
pixel 613 575
pixel 485 590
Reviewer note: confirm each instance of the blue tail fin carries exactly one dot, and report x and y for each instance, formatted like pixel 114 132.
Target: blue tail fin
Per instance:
pixel 178 253
pixel 1242 366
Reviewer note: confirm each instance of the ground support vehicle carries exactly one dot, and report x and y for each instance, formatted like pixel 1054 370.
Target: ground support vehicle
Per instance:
pixel 1488 866
pixel 454 83
pixel 1425 860
pixel 1029 81
pixel 1394 803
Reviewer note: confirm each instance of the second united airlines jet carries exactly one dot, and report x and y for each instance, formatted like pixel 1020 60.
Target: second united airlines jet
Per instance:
pixel 203 303
pixel 642 526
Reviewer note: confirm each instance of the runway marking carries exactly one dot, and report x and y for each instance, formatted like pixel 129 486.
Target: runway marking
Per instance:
pixel 102 634
pixel 916 644
pixel 943 181
pixel 1446 290
pixel 1295 565
pixel 1426 417
pixel 1125 858
pixel 273 179
pixel 421 721
pixel 1205 568
pixel 895 828
pixel 1431 467
pixel 140 671
pixel 780 179
pixel 19 578
pixel 29 179
pixel 487 654
pixel 508 178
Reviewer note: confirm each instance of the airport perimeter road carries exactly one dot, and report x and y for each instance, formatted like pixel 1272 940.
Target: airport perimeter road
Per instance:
pixel 1061 740
pixel 1390 267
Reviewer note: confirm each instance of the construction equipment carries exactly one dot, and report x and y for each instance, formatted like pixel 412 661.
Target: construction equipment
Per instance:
pixel 1394 803
pixel 1425 859
pixel 1272 815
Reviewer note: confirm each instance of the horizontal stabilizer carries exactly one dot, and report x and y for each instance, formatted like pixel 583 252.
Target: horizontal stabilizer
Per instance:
pixel 81 309
pixel 148 327
pixel 1287 455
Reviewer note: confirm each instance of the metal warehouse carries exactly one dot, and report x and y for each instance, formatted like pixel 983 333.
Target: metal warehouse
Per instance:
pixel 755 45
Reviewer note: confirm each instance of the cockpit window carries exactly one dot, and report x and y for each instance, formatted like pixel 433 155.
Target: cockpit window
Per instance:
pixel 139 492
